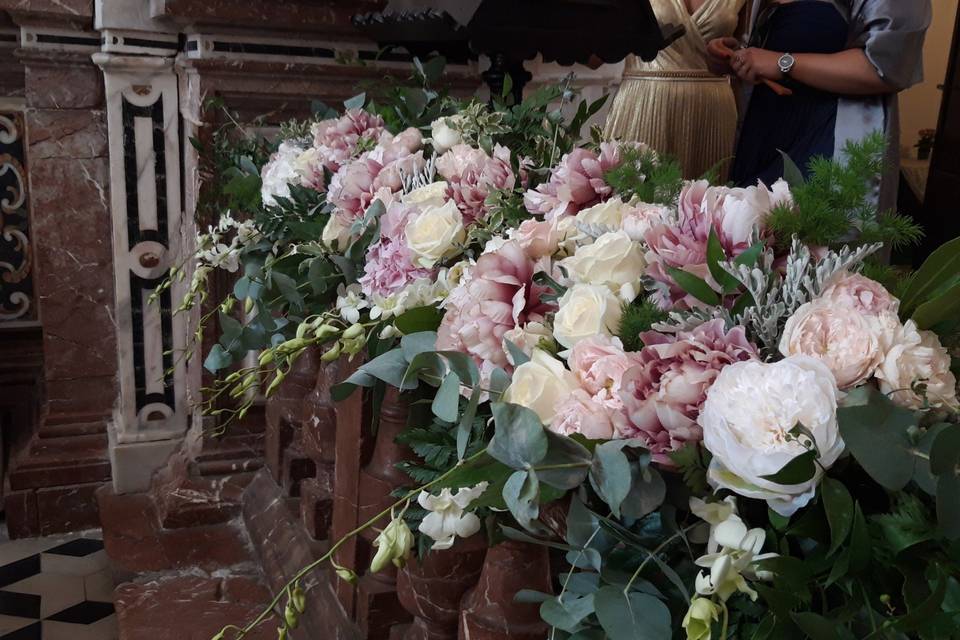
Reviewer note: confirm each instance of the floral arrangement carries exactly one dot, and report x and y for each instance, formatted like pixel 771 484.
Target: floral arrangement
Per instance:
pixel 749 421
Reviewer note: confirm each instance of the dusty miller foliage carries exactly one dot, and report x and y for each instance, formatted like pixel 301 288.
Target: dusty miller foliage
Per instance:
pixel 777 296
pixel 423 177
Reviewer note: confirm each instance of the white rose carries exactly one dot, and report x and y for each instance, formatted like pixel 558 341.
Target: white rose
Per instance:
pixel 435 234
pixel 541 385
pixel 526 338
pixel 431 195
pixel 847 341
pixel 586 310
pixel 747 418
pixel 335 231
pixel 614 260
pixel 917 362
pixel 608 214
pixel 445 134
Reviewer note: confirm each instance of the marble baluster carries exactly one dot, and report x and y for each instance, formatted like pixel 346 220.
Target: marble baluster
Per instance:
pixel 488 611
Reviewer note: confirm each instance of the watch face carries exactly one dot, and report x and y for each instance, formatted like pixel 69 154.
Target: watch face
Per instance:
pixel 786 62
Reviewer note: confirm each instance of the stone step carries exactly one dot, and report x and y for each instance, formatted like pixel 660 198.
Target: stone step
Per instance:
pixel 62 460
pixel 181 606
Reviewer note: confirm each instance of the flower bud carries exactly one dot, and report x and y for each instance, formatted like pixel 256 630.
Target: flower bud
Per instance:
pixel 276 382
pixel 347 575
pixel 290 616
pixel 332 354
pixel 355 331
pixel 325 331
pixel 299 599
pixel 701 615
pixel 266 357
pixel 227 305
pixel 281 633
pixel 248 305
pixel 302 330
pixel 394 544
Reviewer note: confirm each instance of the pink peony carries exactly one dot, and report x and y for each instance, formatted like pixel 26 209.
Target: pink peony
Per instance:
pixel 868 296
pixel 541 238
pixel 581 413
pixel 336 139
pixel 663 395
pixel 735 214
pixel 600 363
pixel 575 184
pixel 473 175
pixel 354 186
pixel 497 295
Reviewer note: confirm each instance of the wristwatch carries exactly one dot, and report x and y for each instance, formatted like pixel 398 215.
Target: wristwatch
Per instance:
pixel 786 63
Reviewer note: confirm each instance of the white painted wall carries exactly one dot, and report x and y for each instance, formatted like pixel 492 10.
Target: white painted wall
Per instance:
pixel 920 105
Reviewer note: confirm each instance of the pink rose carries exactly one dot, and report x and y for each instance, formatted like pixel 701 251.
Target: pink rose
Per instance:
pixel 498 295
pixel 576 183
pixel 473 175
pixel 663 395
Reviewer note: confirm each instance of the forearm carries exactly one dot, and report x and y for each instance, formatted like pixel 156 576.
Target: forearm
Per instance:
pixel 847 73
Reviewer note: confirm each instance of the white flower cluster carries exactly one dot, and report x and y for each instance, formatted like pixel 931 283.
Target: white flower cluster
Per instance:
pixel 221 246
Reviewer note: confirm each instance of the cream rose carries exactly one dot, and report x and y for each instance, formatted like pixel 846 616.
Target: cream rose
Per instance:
pixel 335 231
pixel 431 195
pixel 747 418
pixel 607 214
pixel 541 385
pixel 916 371
pixel 444 136
pixel 613 260
pixel 435 233
pixel 586 310
pixel 846 340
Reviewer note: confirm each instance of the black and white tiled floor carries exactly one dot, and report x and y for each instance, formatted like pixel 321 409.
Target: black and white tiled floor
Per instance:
pixel 57 588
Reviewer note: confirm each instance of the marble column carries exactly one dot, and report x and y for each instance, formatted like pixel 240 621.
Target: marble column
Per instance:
pixel 149 233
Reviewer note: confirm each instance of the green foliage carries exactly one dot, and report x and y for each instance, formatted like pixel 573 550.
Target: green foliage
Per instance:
pixel 834 204
pixel 645 175
pixel 436 446
pixel 692 461
pixel 638 317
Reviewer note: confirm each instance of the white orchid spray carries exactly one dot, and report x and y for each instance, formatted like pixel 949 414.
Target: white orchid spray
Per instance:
pixel 448 518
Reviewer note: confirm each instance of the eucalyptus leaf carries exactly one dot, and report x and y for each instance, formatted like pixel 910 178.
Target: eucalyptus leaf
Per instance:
pixel 465 427
pixel 414 344
pixel 791 172
pixel 632 616
pixel 566 452
pixel 356 102
pixel 418 319
pixel 217 359
pixel 446 403
pixel 566 614
pixel 521 493
pixel 876 433
pixel 610 474
pixel 516 353
pixel 519 440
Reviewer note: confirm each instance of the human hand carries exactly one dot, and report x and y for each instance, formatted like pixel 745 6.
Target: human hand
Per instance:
pixel 755 65
pixel 719 52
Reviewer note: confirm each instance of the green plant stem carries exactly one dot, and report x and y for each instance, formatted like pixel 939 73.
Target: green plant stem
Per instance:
pixel 339 543
pixel 563 589
pixel 726 621
pixel 651 554
pixel 567 465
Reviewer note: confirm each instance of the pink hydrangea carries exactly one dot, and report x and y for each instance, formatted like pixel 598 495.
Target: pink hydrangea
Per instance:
pixel 735 214
pixel 473 175
pixel 498 295
pixel 389 265
pixel 576 183
pixel 355 185
pixel 336 139
pixel 663 395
